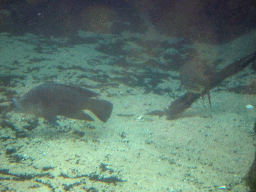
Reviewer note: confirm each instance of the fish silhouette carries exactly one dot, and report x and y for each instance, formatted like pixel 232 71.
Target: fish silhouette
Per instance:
pixel 196 77
pixel 52 99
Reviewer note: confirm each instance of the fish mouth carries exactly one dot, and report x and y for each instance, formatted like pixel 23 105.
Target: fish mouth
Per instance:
pixel 16 105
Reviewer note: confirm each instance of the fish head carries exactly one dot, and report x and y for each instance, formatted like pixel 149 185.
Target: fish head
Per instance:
pixel 25 106
pixel 16 104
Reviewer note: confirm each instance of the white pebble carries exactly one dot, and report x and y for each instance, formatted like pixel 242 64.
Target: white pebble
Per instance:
pixel 249 107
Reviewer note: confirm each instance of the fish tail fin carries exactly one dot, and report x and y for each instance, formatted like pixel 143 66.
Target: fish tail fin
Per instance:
pixel 102 109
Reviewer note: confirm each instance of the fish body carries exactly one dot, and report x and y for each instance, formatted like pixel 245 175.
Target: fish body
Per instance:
pixel 196 77
pixel 51 99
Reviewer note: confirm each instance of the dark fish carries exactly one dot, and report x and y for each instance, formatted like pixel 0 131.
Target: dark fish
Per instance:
pixel 196 77
pixel 52 99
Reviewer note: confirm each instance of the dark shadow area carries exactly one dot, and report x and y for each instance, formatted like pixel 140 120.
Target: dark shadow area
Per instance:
pixel 213 22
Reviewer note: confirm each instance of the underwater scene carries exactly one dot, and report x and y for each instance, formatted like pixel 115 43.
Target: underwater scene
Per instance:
pixel 127 96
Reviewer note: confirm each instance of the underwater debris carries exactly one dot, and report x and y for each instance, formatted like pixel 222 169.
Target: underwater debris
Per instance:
pixel 46 168
pixel 108 180
pixel 6 80
pixel 70 186
pixel 23 176
pixel 10 151
pixel 97 177
pixel 18 132
pixel 103 168
pixel 184 102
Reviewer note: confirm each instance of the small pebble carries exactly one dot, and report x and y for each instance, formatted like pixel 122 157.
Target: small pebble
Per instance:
pixel 249 107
